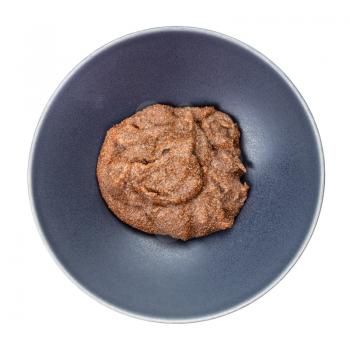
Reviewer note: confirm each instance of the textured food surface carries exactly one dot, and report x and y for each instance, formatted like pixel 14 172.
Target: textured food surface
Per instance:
pixel 173 171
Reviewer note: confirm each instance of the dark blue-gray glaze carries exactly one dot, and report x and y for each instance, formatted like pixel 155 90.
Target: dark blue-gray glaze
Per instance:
pixel 160 278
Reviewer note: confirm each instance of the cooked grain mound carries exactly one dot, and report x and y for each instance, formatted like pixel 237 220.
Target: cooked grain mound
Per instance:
pixel 173 171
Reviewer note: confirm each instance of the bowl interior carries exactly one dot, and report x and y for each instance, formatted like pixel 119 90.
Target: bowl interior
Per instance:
pixel 151 276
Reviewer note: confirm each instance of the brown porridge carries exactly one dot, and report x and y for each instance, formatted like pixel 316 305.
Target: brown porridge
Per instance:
pixel 174 171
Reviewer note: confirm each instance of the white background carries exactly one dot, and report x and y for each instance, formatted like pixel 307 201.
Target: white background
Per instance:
pixel 40 308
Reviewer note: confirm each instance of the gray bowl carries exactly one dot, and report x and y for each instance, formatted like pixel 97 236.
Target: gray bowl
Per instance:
pixel 159 278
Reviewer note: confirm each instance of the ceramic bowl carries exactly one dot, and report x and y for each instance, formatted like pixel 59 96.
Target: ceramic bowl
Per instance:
pixel 159 278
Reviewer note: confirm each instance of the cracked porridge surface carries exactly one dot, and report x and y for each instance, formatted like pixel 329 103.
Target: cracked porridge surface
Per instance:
pixel 173 171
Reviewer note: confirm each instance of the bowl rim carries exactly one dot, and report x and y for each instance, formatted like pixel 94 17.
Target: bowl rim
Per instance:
pixel 267 61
